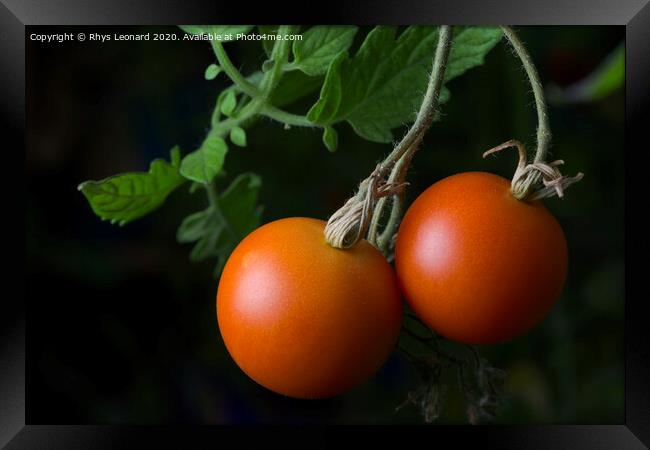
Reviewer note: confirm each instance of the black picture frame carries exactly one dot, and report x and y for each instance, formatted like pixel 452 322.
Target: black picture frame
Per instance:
pixel 15 15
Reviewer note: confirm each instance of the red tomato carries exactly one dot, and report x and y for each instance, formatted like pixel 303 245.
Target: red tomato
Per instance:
pixel 477 265
pixel 302 318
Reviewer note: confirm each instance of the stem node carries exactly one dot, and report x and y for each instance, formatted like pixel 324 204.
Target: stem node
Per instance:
pixel 350 222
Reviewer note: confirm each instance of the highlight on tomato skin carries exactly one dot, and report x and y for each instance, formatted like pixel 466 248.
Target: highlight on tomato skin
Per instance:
pixel 302 318
pixel 477 265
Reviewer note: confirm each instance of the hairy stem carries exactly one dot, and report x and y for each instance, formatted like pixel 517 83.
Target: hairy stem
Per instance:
pixel 350 222
pixel 539 179
pixel 248 111
pixel 397 174
pixel 399 159
pixel 279 56
pixel 259 96
pixel 382 241
pixel 286 117
pixel 543 128
pixel 228 67
pixel 255 106
pixel 429 104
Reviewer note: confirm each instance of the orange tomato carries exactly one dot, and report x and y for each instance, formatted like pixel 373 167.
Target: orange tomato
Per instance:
pixel 477 265
pixel 305 319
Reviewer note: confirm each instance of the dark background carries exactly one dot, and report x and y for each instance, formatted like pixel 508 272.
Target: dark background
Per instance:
pixel 122 327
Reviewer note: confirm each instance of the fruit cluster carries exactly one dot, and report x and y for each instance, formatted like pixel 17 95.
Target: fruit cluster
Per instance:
pixel 307 320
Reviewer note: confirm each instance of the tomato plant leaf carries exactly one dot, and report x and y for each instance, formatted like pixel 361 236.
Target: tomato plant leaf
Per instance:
pixel 129 196
pixel 229 103
pixel 212 71
pixel 238 136
pixel 469 48
pixel 193 227
pixel 381 87
pixel 294 86
pixel 330 138
pixel 327 107
pixel 267 65
pixel 238 205
pixel 204 164
pixel 192 29
pixel 219 228
pixel 205 248
pixel 319 46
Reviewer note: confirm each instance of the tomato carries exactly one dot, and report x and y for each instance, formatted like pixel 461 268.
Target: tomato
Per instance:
pixel 305 319
pixel 477 265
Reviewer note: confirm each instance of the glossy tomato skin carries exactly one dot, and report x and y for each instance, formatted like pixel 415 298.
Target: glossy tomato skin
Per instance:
pixel 477 265
pixel 302 318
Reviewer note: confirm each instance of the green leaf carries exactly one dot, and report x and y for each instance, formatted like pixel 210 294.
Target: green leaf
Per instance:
pixel 294 86
pixel 381 87
pixel 129 196
pixel 206 246
pixel 193 29
pixel 194 227
pixel 238 136
pixel 326 108
pixel 267 65
pixel 330 138
pixel 175 157
pixel 223 33
pixel 229 103
pixel 608 76
pixel 204 164
pixel 219 228
pixel 470 45
pixel 239 204
pixel 212 71
pixel 319 46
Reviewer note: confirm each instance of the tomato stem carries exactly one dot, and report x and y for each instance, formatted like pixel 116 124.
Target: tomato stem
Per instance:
pixel 279 56
pixel 528 176
pixel 253 102
pixel 400 157
pixel 229 68
pixel 362 212
pixel 385 239
pixel 543 128
pixel 521 187
pixel 286 117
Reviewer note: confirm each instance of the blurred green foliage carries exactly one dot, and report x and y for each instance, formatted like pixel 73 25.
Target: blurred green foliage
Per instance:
pixel 605 79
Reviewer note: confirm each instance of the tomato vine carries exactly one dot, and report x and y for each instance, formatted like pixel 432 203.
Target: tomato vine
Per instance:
pixel 375 89
pixel 527 176
pixel 349 224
